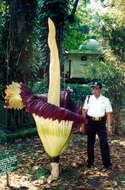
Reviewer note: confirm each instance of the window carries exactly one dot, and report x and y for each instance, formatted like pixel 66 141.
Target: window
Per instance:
pixel 101 58
pixel 84 58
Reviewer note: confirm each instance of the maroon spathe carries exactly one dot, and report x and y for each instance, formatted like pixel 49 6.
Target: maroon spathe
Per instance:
pixel 36 104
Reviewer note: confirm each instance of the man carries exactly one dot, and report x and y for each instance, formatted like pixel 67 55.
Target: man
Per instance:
pixel 97 109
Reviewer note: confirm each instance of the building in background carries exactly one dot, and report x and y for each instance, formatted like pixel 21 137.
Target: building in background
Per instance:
pixel 80 65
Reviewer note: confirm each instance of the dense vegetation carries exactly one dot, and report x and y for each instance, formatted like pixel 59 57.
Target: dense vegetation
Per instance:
pixel 24 52
pixel 24 57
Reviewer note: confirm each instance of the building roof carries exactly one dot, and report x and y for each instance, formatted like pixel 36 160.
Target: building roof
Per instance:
pixel 90 46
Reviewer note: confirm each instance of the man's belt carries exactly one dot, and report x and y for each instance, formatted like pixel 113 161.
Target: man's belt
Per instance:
pixel 96 118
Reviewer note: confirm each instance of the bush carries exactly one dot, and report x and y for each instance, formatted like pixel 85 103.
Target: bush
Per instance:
pixel 79 90
pixel 3 138
pixel 40 87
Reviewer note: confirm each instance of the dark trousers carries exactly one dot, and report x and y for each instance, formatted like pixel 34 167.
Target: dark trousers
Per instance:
pixel 99 128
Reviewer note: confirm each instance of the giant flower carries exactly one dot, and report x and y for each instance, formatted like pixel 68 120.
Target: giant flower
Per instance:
pixel 55 124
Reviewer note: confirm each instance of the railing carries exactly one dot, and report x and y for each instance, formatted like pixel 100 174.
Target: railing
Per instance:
pixel 14 120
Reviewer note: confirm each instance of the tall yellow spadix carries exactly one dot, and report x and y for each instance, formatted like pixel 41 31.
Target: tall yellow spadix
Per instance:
pixel 54 69
pixel 54 135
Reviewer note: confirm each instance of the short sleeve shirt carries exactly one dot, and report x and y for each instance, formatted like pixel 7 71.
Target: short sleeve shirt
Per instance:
pixel 97 107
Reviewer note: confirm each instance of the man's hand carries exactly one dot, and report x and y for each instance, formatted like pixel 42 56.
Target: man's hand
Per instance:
pixel 109 131
pixel 82 129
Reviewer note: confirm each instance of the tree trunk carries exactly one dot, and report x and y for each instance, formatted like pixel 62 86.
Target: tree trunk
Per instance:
pixel 22 13
pixel 116 123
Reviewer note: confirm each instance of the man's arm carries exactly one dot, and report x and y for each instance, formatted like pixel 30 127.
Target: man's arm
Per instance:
pixel 84 113
pixel 109 128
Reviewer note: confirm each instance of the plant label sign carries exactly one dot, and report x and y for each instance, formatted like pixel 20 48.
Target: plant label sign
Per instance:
pixel 8 163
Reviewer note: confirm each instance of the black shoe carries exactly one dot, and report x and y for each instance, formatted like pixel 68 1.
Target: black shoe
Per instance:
pixel 88 165
pixel 108 167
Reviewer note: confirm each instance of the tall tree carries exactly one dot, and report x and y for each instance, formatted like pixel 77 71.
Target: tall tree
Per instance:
pixel 16 41
pixel 62 13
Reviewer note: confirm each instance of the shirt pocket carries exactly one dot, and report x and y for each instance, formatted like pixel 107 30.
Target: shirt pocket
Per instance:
pixel 91 105
pixel 102 106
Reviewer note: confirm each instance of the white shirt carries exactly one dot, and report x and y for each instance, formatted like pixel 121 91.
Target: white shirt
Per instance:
pixel 97 107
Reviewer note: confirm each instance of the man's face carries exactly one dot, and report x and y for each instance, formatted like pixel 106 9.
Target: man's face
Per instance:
pixel 96 91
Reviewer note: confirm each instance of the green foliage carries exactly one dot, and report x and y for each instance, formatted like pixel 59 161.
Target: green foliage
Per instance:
pixel 79 91
pixel 40 87
pixel 113 33
pixel 22 133
pixel 2 87
pixel 114 83
pixel 68 173
pixel 58 11
pixel 85 27
pixel 3 137
pixel 121 179
pixel 111 27
pixel 74 37
pixel 24 52
pixel 77 32
pixel 41 172
pixel 20 147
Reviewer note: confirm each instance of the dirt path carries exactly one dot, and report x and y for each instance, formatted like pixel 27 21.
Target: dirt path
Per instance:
pixel 33 166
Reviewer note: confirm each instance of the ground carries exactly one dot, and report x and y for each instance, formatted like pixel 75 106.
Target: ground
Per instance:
pixel 34 166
